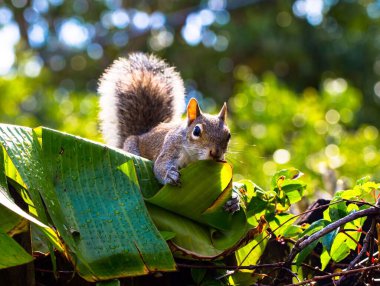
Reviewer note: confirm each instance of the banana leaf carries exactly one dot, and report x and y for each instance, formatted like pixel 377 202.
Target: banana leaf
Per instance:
pixel 94 195
pixel 194 211
pixel 12 254
pixel 93 200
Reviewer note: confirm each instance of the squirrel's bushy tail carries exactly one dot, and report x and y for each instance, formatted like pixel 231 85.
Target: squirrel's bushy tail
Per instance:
pixel 138 93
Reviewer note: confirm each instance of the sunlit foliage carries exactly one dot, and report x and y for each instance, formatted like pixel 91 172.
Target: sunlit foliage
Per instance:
pixel 317 108
pixel 275 128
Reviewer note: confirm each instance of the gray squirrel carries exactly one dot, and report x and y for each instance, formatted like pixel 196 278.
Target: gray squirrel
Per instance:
pixel 140 111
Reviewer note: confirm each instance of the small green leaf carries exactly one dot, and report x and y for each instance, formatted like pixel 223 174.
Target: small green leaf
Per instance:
pixel 325 259
pixel 289 174
pixel 313 228
pixel 339 249
pixel 280 222
pixel 337 211
pixel 251 253
pixel 328 239
pixel 294 191
pixel 292 231
pixel 257 208
pixel 305 252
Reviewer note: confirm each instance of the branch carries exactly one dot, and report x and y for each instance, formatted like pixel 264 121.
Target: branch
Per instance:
pixel 349 272
pixel 307 240
pixel 365 246
pixel 227 267
pixel 364 249
pixel 366 259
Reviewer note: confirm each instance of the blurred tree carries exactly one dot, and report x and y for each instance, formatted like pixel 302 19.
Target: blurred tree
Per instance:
pixel 302 41
pixel 311 131
pixel 53 51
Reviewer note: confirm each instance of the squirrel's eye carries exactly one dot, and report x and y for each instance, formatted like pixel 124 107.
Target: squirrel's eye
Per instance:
pixel 197 131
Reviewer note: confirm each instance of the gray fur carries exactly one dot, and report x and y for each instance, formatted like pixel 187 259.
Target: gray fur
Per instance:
pixel 137 94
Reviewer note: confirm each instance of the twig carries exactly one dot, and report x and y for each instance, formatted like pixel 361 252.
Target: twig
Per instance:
pixel 349 272
pixel 361 203
pixel 52 271
pixel 364 249
pixel 292 273
pixel 365 246
pixel 307 240
pixel 365 259
pixel 282 224
pixel 314 269
pixel 278 227
pixel 227 267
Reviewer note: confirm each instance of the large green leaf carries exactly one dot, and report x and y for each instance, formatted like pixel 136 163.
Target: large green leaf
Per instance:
pixel 191 240
pixel 202 202
pixel 10 222
pixel 92 195
pixel 12 254
pixel 206 191
pixel 20 162
pixel 97 206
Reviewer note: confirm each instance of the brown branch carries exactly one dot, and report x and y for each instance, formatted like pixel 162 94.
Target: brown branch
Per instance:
pixel 365 246
pixel 274 265
pixel 360 203
pixel 323 277
pixel 364 249
pixel 307 240
pixel 285 222
pixel 314 269
pixel 227 267
pixel 278 227
pixel 365 259
pixel 69 272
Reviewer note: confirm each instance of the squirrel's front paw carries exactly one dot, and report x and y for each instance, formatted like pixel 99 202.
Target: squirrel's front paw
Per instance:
pixel 233 204
pixel 172 177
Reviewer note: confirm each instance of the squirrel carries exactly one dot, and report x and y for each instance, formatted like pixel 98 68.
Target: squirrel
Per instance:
pixel 141 99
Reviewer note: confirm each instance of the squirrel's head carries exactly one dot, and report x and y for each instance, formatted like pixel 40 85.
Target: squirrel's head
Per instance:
pixel 207 135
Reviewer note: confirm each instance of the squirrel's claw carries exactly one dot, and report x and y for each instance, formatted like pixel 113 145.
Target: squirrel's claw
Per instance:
pixel 173 177
pixel 232 205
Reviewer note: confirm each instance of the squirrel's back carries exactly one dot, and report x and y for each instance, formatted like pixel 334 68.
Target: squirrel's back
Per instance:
pixel 137 94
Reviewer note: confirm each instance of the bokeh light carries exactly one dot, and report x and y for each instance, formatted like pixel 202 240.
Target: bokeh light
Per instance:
pixel 312 10
pixel 9 37
pixel 73 33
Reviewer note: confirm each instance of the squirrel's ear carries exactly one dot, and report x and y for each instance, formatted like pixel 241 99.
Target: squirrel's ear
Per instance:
pixel 193 111
pixel 223 112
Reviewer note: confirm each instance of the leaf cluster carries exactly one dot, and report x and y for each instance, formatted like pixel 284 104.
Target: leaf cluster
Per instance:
pixel 84 199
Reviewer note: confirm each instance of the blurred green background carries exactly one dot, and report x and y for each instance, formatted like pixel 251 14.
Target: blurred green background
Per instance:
pixel 302 78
